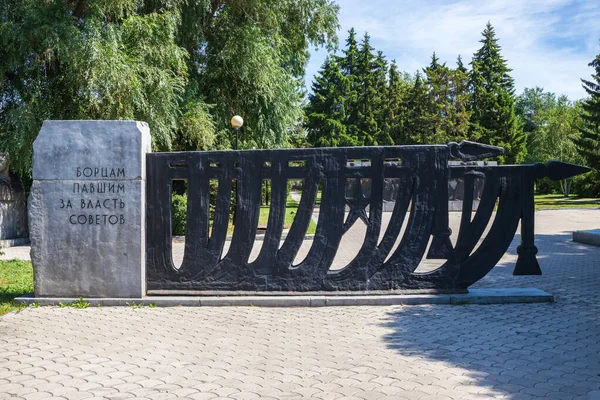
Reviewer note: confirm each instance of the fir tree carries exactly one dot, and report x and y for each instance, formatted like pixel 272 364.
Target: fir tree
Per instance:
pixel 437 102
pixel 447 117
pixel 367 96
pixel 325 112
pixel 395 106
pixel 493 119
pixel 460 97
pixel 589 142
pixel 349 62
pixel 349 67
pixel 381 135
pixel 416 127
pixel 460 66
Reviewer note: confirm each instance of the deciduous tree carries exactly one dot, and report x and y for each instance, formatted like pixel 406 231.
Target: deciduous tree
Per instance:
pixel 185 67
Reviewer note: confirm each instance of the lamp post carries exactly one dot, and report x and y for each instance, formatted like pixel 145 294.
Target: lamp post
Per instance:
pixel 236 123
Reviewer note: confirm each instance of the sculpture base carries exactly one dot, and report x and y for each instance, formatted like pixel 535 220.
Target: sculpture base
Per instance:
pixel 474 296
pixel 591 236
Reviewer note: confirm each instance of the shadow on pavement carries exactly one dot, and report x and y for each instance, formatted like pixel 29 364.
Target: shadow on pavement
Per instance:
pixel 522 350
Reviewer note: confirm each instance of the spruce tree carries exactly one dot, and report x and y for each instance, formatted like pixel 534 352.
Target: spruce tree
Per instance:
pixel 446 116
pixel 416 126
pixel 367 96
pixel 349 67
pixel 589 142
pixel 349 61
pixel 381 135
pixel 493 119
pixel 437 103
pixel 460 66
pixel 325 112
pixel 460 97
pixel 395 107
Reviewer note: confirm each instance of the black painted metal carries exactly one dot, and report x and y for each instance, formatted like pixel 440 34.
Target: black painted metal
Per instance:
pixel 422 174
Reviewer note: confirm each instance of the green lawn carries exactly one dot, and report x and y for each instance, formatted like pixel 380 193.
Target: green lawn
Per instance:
pixel 557 202
pixel 16 279
pixel 291 209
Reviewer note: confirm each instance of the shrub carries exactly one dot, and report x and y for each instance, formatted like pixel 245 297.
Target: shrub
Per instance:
pixel 588 185
pixel 179 213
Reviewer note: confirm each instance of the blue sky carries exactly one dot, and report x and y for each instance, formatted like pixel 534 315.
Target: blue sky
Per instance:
pixel 547 43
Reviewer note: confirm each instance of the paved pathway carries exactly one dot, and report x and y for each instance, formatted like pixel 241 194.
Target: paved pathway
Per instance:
pixel 529 351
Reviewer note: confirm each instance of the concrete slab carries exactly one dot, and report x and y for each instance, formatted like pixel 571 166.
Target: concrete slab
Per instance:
pixel 475 296
pixel 591 236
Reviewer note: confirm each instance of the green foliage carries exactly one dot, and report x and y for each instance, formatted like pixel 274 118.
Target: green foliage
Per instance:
pixel 396 109
pixel 589 142
pixel 325 112
pixel 101 61
pixel 135 305
pixel 250 60
pixel 185 67
pixel 16 279
pixel 352 101
pixel 493 119
pixel 560 202
pixel 551 125
pixel 367 77
pixel 417 125
pixel 438 105
pixel 79 303
pixel 359 99
pixel 178 214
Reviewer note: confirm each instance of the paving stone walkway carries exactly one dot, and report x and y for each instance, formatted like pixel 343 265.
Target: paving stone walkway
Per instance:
pixel 527 351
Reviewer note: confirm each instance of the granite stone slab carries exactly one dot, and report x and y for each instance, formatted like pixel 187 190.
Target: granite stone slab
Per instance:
pixel 87 209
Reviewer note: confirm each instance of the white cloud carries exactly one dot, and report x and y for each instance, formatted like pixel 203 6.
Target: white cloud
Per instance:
pixel 547 43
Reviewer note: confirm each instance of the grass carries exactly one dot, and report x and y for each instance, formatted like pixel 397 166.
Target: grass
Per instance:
pixel 291 209
pixel 16 279
pixel 558 202
pixel 80 303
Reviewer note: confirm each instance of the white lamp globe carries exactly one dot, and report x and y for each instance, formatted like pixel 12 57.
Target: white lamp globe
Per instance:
pixel 237 122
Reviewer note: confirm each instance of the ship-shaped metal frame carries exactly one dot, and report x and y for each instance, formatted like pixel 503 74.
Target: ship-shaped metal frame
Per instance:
pixel 422 172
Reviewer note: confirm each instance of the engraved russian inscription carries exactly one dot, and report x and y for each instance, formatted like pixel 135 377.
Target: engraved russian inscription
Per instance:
pixel 89 200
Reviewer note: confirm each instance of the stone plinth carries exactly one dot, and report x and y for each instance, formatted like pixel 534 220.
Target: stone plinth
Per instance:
pixel 87 209
pixel 591 236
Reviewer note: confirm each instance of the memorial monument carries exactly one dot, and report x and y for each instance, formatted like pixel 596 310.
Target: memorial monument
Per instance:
pixel 86 208
pixel 95 234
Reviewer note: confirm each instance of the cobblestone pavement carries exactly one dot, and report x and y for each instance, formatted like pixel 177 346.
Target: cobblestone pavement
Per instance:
pixel 527 351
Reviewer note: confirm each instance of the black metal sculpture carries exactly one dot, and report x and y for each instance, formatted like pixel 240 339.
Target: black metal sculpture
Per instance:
pixel 422 172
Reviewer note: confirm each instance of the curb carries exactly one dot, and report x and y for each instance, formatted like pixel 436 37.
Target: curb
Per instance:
pixel 475 296
pixel 591 236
